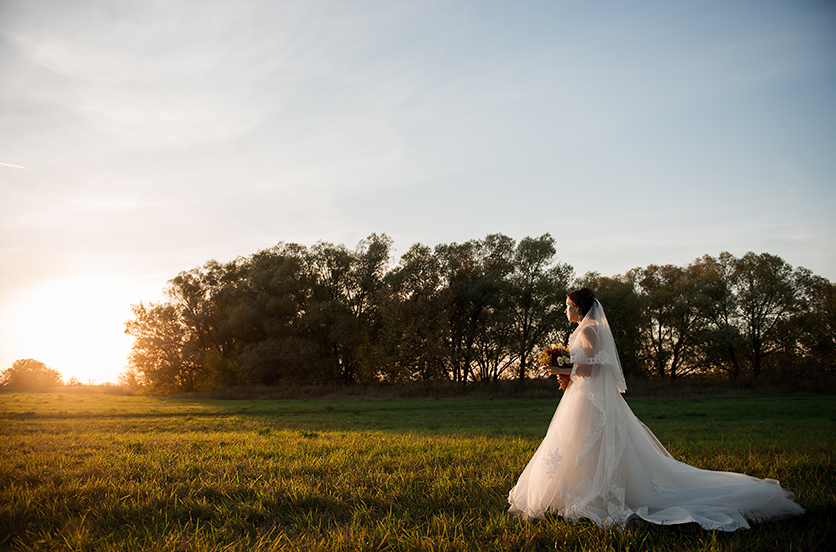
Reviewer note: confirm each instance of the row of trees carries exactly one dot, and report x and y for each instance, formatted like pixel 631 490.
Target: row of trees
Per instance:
pixel 734 317
pixel 327 314
pixel 475 311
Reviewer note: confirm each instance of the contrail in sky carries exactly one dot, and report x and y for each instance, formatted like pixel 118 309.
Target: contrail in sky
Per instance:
pixel 15 166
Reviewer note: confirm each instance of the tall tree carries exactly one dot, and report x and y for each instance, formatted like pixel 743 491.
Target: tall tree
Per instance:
pixel 818 322
pixel 163 355
pixel 411 341
pixel 204 298
pixel 768 294
pixel 535 297
pixel 474 275
pixel 274 341
pixel 722 339
pixel 201 296
pixel 343 299
pixel 675 313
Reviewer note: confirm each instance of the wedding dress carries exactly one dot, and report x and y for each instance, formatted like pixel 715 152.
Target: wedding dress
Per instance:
pixel 599 462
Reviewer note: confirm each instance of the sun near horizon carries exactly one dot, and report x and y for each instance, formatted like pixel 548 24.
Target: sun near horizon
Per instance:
pixel 75 326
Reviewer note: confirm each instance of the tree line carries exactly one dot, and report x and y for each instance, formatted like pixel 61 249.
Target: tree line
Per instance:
pixel 476 311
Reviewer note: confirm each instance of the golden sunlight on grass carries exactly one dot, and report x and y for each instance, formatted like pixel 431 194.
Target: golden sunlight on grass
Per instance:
pixel 92 471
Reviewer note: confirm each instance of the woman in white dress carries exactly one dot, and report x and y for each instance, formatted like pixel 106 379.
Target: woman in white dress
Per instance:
pixel 599 462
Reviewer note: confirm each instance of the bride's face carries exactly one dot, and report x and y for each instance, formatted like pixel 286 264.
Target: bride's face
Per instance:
pixel 573 313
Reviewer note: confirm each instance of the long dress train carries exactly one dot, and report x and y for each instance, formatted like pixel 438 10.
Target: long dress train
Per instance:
pixel 598 461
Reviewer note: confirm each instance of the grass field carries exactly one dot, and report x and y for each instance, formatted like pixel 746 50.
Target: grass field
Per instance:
pixel 99 472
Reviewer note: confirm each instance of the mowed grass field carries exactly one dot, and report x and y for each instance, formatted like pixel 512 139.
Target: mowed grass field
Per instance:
pixel 100 472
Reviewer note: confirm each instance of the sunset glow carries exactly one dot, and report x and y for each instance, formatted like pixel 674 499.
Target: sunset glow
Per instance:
pixel 142 139
pixel 76 326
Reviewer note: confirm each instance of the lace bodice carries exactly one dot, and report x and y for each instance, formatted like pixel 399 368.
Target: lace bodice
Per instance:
pixel 592 346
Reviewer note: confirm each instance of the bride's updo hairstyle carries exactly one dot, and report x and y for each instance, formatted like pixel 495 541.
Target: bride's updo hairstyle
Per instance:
pixel 583 299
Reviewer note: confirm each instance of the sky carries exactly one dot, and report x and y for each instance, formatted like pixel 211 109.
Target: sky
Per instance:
pixel 142 138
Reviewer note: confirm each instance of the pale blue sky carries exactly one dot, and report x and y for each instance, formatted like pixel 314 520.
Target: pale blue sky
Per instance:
pixel 139 139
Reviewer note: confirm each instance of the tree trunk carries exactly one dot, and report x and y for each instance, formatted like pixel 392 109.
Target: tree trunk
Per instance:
pixel 523 365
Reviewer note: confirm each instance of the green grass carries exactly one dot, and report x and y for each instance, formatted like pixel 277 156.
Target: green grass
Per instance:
pixel 101 472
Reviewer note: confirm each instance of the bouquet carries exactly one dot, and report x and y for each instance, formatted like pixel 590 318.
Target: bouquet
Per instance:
pixel 557 355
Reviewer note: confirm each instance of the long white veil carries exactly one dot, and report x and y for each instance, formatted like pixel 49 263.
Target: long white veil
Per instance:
pixel 592 344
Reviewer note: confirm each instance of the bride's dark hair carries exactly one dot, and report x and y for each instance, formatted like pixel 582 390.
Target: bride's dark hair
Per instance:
pixel 582 298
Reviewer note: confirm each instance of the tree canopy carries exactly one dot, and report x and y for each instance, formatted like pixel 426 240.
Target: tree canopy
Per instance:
pixel 29 375
pixel 474 311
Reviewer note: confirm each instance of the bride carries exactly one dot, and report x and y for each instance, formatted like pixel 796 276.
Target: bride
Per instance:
pixel 599 462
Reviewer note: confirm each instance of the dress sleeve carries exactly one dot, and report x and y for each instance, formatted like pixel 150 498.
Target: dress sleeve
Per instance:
pixel 589 358
pixel 584 354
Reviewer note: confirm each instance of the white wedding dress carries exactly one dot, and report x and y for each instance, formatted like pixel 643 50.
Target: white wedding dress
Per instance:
pixel 599 462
